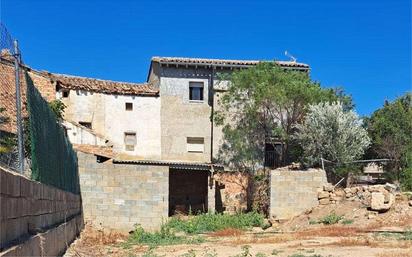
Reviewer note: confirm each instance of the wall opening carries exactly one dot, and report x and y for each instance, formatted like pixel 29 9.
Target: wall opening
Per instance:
pixel 187 191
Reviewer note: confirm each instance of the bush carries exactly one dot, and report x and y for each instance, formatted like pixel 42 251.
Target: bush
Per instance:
pixel 406 179
pixel 330 219
pixel 214 222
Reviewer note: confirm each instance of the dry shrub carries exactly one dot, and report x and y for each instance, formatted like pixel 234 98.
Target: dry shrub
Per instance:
pixel 370 242
pixel 356 242
pixel 330 231
pixel 93 237
pixel 264 240
pixel 227 232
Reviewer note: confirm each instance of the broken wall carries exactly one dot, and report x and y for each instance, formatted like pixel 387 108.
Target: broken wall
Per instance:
pixel 294 191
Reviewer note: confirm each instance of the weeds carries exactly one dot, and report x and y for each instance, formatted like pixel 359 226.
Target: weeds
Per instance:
pixel 260 255
pixel 330 219
pixel 347 222
pixel 276 252
pixel 407 235
pixel 162 237
pixel 245 252
pixel 213 222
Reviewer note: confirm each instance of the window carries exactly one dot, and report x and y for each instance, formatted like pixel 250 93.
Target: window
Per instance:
pixel 129 106
pixel 195 144
pixel 196 91
pixel 130 140
pixel 86 124
pixel 65 94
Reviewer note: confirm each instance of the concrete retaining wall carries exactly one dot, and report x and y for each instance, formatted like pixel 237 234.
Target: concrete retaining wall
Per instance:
pixel 294 191
pixel 28 207
pixel 118 196
pixel 53 242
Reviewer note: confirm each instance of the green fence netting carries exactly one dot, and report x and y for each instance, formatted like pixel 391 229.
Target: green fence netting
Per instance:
pixel 54 161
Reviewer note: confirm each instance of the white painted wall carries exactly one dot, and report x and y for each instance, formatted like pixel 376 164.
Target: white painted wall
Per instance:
pixel 144 120
pixel 80 135
pixel 109 118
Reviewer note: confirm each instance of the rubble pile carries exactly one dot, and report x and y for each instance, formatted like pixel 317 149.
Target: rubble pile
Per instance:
pixel 378 198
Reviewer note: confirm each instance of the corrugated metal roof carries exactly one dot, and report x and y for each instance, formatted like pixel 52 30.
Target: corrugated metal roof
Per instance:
pixel 172 164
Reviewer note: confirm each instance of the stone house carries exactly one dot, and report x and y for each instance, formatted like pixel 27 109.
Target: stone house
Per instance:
pixel 146 150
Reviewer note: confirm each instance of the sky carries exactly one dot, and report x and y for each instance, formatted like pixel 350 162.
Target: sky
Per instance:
pixel 363 46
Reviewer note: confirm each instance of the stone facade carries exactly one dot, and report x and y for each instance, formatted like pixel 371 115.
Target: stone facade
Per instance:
pixel 232 192
pixel 28 207
pixel 110 119
pixel 119 196
pixel 294 191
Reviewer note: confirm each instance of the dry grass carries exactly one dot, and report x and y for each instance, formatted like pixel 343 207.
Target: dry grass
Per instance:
pixel 407 253
pixel 227 232
pixel 263 240
pixel 92 237
pixel 370 242
pixel 329 231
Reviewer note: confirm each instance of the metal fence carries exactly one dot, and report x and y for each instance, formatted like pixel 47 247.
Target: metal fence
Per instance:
pixel 12 152
pixel 32 140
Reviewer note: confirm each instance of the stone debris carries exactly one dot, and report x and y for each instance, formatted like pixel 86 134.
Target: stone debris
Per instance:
pixel 381 202
pixel 376 197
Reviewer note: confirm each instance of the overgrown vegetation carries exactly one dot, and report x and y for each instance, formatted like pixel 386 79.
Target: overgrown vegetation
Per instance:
pixel 58 108
pixel 162 237
pixel 264 103
pixel 194 225
pixel 213 222
pixel 332 133
pixel 330 219
pixel 390 129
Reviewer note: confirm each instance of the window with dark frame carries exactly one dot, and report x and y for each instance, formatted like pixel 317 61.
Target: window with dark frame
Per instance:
pixel 65 94
pixel 196 91
pixel 195 144
pixel 130 140
pixel 129 106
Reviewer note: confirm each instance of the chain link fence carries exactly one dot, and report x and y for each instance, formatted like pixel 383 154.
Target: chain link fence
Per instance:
pixel 32 140
pixel 12 111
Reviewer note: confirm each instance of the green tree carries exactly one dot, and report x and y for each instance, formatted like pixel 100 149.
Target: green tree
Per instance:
pixel 265 102
pixel 390 129
pixel 332 133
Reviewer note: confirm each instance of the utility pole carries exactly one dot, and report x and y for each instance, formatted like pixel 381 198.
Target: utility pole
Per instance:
pixel 18 107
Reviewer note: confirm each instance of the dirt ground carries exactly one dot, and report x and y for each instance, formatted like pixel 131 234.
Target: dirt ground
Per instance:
pixel 369 234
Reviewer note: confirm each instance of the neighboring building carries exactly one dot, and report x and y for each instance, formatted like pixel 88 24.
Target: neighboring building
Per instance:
pixel 148 149
pixel 189 92
pixel 117 114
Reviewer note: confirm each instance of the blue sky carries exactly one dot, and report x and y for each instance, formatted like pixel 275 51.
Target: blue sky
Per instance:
pixel 362 45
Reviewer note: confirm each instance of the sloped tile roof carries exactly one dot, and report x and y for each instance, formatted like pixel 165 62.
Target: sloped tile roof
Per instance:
pixel 102 86
pixel 8 92
pixel 8 97
pixel 105 151
pixel 221 62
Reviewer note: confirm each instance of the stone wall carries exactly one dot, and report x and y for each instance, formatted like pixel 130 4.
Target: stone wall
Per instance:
pixel 294 191
pixel 28 207
pixel 232 192
pixel 118 196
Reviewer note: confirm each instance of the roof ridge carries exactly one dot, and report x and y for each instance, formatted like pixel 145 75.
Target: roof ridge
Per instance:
pixel 97 79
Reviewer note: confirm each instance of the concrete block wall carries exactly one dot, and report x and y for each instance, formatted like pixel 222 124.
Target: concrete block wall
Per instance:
pixel 294 191
pixel 118 196
pixel 28 207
